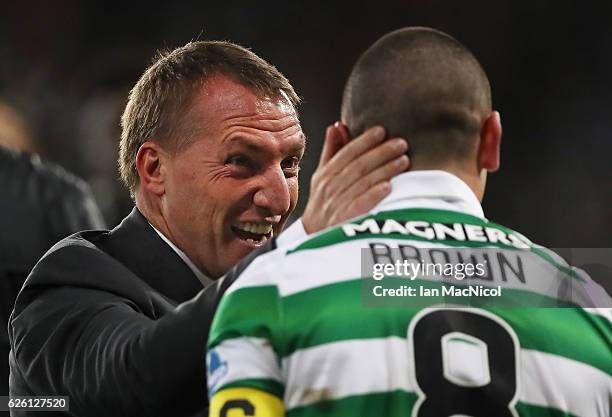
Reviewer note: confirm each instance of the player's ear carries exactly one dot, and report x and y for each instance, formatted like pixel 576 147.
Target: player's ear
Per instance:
pixel 490 143
pixel 149 164
pixel 343 132
pixel 336 136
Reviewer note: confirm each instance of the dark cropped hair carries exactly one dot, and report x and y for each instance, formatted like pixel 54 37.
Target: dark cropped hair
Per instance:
pixel 423 85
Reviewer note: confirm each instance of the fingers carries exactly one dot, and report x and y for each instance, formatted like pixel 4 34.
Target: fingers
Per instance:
pixel 361 168
pixel 352 177
pixel 382 174
pixel 366 201
pixel 360 190
pixel 361 144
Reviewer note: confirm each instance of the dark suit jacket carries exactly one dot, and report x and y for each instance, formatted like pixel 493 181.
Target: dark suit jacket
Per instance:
pixel 116 321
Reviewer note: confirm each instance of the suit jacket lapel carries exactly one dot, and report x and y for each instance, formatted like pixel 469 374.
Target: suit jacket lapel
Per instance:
pixel 139 247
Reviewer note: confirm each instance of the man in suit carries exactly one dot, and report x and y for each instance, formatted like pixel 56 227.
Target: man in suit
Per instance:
pixel 210 150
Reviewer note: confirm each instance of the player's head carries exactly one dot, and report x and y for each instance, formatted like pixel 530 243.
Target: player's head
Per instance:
pixel 423 85
pixel 210 149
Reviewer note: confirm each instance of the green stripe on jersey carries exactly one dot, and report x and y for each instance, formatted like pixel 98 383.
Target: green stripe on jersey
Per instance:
pixel 270 386
pixel 314 321
pixel 257 311
pixel 336 235
pixel 388 404
pixel 530 410
pixel 394 404
pixel 335 312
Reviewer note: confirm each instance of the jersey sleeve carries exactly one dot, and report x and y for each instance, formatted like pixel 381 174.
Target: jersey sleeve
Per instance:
pixel 243 361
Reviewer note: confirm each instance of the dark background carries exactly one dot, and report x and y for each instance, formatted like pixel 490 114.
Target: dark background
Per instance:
pixel 68 65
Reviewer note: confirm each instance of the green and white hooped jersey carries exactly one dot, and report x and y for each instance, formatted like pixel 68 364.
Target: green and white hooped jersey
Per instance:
pixel 303 324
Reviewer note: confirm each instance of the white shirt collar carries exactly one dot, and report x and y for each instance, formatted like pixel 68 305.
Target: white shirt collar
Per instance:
pixel 199 274
pixel 431 189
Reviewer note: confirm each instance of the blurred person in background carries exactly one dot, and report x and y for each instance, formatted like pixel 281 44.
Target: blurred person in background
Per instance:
pixel 14 133
pixel 40 204
pixel 298 334
pixel 210 150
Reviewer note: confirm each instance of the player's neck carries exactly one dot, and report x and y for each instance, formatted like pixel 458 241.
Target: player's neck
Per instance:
pixel 472 177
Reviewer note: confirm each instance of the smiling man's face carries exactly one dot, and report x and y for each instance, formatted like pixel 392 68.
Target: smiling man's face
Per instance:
pixel 233 187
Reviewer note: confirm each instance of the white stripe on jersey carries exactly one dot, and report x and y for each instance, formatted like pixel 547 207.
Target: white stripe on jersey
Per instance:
pixel 262 362
pixel 564 383
pixel 356 367
pixel 351 367
pixel 604 312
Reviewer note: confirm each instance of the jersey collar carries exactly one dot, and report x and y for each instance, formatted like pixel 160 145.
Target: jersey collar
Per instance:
pixel 431 189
